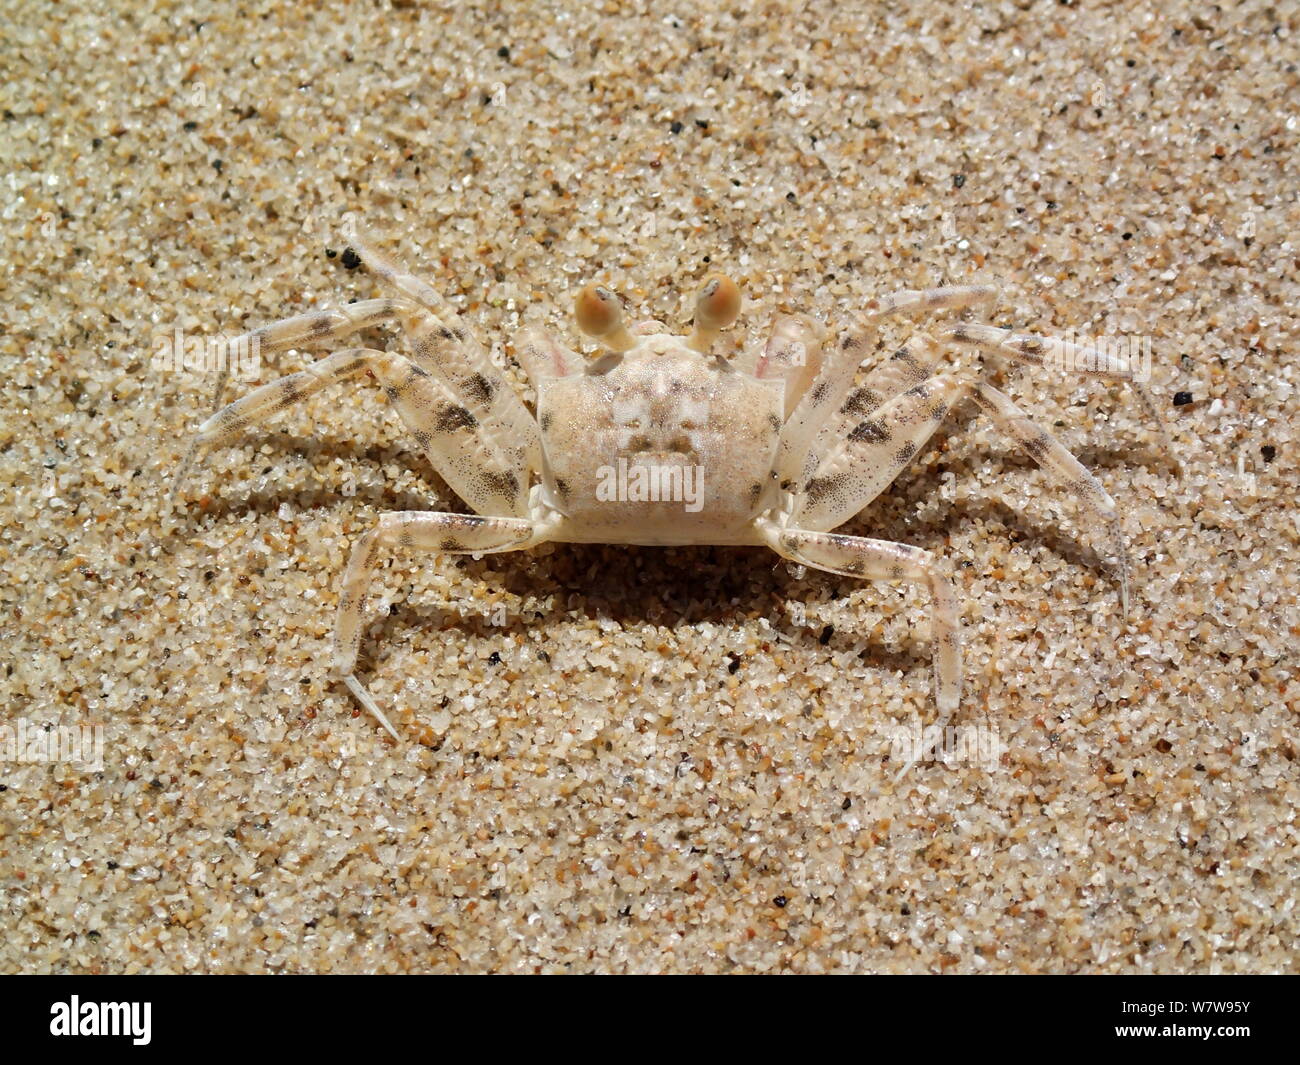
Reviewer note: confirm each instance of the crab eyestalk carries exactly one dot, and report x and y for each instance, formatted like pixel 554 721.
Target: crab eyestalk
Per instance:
pixel 716 307
pixel 599 315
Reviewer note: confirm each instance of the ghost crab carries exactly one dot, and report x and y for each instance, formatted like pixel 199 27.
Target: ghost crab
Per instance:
pixel 786 444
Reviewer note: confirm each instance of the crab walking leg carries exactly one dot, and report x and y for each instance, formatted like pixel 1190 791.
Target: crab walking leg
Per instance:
pixel 313 328
pixel 857 556
pixel 1040 351
pixel 929 300
pixel 840 365
pixel 873 454
pixel 402 280
pixel 318 327
pixel 906 368
pixel 427 531
pixel 868 458
pixel 441 345
pixel 1031 350
pixel 264 402
pixel 450 427
pixel 1052 456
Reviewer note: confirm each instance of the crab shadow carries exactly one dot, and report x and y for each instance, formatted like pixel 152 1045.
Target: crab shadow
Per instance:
pixel 661 586
pixel 313 452
pixel 636 586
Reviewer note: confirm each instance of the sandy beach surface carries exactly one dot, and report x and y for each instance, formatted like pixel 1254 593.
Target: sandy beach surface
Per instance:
pixel 639 760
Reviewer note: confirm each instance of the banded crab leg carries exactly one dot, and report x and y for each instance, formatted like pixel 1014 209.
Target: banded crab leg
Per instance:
pixel 439 345
pixel 313 328
pixel 447 425
pixel 442 346
pixel 872 456
pixel 424 531
pixel 913 363
pixel 906 368
pixel 1032 350
pixel 319 327
pixel 446 430
pixel 840 365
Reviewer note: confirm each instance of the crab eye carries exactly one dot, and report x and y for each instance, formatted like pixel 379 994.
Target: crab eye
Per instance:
pixel 718 304
pixel 716 307
pixel 600 315
pixel 597 311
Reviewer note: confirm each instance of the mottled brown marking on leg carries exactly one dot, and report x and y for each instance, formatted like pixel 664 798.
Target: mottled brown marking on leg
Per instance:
pixel 1037 446
pixel 504 484
pixel 819 488
pixel 872 431
pixel 860 402
pixel 451 417
pixel 480 389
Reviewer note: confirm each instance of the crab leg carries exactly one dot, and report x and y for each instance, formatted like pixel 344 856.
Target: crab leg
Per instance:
pixel 441 345
pixel 857 556
pixel 438 345
pixel 929 300
pixel 871 456
pixel 1040 351
pixel 426 531
pixel 264 402
pixel 491 476
pixel 877 450
pixel 318 327
pixel 313 328
pixel 399 278
pixel 840 365
pixel 906 368
pixel 1063 467
pixel 1028 349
